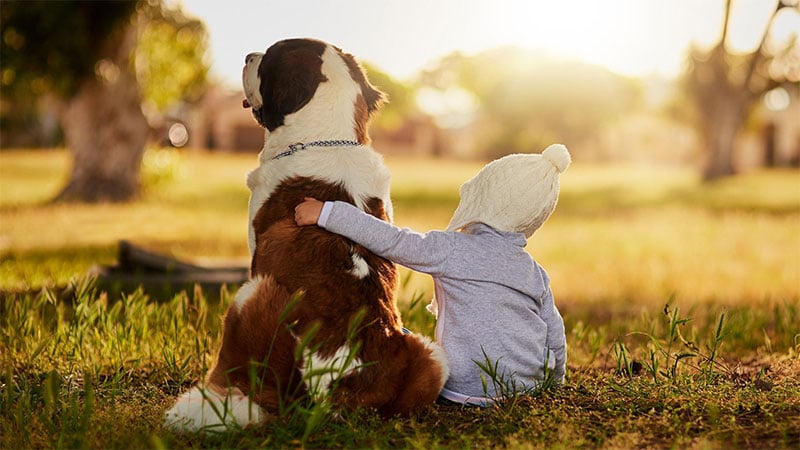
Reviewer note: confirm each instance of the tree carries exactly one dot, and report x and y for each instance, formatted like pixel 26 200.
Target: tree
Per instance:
pixel 400 104
pixel 83 52
pixel 724 89
pixel 528 100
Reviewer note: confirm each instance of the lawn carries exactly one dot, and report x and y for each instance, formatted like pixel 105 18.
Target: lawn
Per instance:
pixel 681 302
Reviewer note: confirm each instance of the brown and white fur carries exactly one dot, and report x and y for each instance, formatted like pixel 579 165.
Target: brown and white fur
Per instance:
pixel 341 328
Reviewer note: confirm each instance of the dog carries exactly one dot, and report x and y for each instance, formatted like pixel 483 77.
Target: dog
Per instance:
pixel 318 317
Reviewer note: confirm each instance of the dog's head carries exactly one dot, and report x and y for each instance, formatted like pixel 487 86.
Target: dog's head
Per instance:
pixel 288 78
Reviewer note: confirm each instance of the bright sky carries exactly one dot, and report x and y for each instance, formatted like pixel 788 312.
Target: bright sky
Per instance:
pixel 631 37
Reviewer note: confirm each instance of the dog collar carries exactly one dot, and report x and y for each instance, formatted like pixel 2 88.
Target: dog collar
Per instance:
pixel 297 146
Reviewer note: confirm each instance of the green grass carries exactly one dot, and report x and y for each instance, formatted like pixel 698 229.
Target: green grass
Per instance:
pixel 717 368
pixel 101 373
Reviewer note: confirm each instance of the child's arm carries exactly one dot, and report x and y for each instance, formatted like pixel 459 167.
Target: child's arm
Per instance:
pixel 422 252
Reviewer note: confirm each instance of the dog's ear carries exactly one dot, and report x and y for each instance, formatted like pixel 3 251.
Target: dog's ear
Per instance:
pixel 374 97
pixel 288 83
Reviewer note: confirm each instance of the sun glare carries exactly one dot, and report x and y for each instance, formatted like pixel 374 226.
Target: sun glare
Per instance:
pixel 630 37
pixel 453 107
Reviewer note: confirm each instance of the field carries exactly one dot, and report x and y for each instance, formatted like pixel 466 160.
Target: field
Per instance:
pixel 681 302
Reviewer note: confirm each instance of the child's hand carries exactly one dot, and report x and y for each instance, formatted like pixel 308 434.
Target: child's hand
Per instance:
pixel 307 213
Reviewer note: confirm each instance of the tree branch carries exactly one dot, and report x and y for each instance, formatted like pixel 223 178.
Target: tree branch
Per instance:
pixel 725 23
pixel 759 55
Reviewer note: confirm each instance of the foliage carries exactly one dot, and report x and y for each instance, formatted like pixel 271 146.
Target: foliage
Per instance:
pixel 400 105
pixel 49 47
pixel 171 56
pixel 52 46
pixel 662 358
pixel 528 100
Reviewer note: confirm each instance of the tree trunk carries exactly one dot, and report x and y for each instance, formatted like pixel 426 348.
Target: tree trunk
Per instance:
pixel 720 137
pixel 106 131
pixel 725 88
pixel 770 150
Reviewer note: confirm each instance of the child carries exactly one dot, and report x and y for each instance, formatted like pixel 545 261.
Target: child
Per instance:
pixel 493 302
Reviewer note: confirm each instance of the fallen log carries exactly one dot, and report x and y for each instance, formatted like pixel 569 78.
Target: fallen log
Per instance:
pixel 132 258
pixel 162 276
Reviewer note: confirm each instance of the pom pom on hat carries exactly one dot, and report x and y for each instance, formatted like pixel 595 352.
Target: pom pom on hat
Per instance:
pixel 558 155
pixel 515 193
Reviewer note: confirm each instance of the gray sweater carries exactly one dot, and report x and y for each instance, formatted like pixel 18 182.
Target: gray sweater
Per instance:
pixel 493 300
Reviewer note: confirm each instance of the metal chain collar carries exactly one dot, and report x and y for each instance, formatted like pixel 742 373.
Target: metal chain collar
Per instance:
pixel 296 147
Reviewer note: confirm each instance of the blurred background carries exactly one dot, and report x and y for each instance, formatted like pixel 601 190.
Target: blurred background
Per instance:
pixel 673 253
pixel 124 120
pixel 712 84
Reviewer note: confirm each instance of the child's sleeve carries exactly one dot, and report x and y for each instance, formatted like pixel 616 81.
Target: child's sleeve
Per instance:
pixel 324 214
pixel 421 252
pixel 556 336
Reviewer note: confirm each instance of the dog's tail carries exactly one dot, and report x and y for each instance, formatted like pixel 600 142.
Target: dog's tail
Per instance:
pixel 206 409
pixel 425 376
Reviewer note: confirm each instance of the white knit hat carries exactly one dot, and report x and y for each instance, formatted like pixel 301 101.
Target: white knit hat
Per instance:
pixel 514 193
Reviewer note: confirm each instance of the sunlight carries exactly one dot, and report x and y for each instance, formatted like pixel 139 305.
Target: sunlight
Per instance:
pixel 635 37
pixel 777 99
pixel 786 27
pixel 591 31
pixel 453 107
pixel 749 20
pixel 628 37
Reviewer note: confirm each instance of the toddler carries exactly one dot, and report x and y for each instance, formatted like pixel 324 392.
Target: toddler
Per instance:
pixel 496 318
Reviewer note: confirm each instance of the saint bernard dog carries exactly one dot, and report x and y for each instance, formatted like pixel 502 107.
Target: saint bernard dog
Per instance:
pixel 318 317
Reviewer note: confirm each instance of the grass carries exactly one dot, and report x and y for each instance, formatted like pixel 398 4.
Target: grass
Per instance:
pixel 101 374
pixel 715 368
